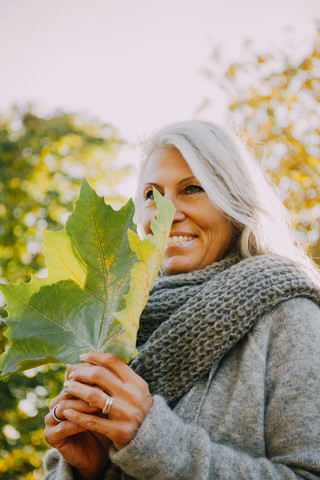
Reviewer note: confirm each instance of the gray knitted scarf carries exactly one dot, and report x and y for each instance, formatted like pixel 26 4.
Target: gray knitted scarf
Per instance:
pixel 192 320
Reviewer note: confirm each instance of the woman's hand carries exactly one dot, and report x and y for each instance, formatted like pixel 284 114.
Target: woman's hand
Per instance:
pixel 84 450
pixel 105 375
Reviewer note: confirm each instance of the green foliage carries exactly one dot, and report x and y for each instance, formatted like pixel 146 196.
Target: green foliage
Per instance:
pixel 42 160
pixel 3 328
pixel 97 286
pixel 24 404
pixel 275 100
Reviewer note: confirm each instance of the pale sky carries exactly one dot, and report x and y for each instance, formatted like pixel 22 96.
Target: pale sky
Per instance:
pixel 133 63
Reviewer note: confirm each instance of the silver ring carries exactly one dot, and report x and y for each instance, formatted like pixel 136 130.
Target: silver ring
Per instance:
pixel 54 414
pixel 107 406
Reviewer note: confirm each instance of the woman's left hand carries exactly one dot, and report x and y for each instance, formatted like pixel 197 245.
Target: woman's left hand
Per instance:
pixel 103 375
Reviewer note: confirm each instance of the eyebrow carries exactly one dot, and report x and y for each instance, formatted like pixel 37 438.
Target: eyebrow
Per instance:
pixel 181 181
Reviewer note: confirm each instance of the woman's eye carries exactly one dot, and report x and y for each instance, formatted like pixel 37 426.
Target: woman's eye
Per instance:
pixel 194 189
pixel 149 194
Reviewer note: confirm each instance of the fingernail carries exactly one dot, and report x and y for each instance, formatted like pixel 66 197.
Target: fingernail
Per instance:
pixel 84 356
pixel 66 383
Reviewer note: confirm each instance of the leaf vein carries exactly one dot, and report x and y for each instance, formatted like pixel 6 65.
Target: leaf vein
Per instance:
pixel 115 334
pixel 49 319
pixel 104 268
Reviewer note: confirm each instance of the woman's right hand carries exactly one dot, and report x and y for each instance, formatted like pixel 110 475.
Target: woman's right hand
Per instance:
pixel 84 450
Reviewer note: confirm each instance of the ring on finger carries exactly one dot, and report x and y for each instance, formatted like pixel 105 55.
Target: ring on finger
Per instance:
pixel 57 419
pixel 107 406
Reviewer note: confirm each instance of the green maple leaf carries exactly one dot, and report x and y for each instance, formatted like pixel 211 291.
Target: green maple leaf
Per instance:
pixel 99 276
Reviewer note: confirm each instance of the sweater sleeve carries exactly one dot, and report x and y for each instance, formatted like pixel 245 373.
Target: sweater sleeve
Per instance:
pixel 57 468
pixel 165 447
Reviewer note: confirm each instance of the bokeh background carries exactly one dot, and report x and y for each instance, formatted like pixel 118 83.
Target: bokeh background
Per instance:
pixel 84 82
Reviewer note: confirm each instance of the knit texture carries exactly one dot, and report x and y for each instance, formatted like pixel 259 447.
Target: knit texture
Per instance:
pixel 192 320
pixel 256 417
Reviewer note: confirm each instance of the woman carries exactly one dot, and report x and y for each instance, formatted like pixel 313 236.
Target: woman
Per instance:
pixel 226 383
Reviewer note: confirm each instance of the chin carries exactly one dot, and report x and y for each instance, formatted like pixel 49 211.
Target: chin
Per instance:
pixel 176 267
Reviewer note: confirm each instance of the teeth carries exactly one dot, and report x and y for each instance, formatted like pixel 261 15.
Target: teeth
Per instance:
pixel 179 239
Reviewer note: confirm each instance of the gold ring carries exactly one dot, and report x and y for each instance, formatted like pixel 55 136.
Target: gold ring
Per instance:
pixel 107 406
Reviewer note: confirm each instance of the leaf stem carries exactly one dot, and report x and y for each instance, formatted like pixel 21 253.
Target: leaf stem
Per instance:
pixel 114 335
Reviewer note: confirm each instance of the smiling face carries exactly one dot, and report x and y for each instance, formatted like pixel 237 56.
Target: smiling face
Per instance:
pixel 200 233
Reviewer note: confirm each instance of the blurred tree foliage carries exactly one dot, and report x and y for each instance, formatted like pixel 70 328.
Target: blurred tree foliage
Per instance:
pixel 275 101
pixel 42 161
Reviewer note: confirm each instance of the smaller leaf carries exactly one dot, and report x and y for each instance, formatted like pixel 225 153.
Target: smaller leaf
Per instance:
pixel 149 251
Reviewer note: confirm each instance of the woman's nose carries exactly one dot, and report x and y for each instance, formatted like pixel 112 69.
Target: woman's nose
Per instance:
pixel 180 214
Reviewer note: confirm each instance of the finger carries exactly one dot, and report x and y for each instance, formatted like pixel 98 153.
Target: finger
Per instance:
pixel 113 363
pixel 77 404
pixel 100 376
pixel 137 395
pixel 54 434
pixel 89 394
pixel 120 433
pixel 135 390
pixel 88 422
pixel 97 398
pixel 122 409
pixel 62 396
pixel 74 367
pixel 50 422
pixel 67 371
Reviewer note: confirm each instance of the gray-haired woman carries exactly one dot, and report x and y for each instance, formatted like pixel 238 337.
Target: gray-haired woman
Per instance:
pixel 226 383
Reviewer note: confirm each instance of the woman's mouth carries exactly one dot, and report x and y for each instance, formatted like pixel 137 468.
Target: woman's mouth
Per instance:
pixel 180 239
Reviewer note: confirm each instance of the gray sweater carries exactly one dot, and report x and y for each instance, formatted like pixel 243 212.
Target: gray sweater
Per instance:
pixel 256 416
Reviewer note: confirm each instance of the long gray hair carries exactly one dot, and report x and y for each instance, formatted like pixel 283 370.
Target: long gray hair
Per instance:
pixel 235 184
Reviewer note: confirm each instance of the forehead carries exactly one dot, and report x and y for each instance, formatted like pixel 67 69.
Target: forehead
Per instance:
pixel 165 163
